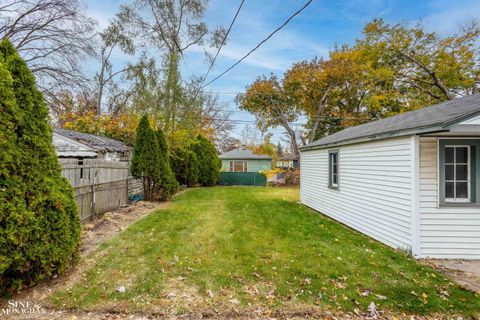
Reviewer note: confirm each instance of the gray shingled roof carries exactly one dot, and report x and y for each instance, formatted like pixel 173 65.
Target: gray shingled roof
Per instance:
pixel 436 117
pixel 288 156
pixel 99 143
pixel 243 153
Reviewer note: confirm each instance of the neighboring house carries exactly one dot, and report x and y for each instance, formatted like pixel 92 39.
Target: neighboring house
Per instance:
pixel 411 181
pixel 287 161
pixel 241 167
pixel 73 144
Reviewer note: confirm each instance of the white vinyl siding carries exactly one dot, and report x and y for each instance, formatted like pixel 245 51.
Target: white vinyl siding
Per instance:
pixel 445 232
pixel 374 195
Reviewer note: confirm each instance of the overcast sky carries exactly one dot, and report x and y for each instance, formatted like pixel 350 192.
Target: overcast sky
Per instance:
pixel 324 24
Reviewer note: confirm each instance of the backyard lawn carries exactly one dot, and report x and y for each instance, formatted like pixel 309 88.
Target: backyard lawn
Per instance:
pixel 252 247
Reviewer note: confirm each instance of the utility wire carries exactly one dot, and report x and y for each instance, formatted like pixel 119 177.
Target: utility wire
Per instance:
pixel 260 43
pixel 223 42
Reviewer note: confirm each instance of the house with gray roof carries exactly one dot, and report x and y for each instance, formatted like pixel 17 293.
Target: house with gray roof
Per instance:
pixel 74 144
pixel 241 166
pixel 411 181
pixel 288 161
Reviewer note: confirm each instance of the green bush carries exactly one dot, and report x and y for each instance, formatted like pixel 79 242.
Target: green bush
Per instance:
pixel 168 185
pixel 209 163
pixel 185 165
pixel 145 159
pixel 150 163
pixel 39 224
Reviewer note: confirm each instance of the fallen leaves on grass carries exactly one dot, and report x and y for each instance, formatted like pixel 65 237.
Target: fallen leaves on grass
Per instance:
pixel 252 290
pixel 379 296
pixel 339 283
pixel 425 298
pixel 365 293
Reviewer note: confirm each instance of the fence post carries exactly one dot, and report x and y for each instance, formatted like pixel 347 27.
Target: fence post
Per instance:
pixel 94 187
pixel 126 189
pixel 94 209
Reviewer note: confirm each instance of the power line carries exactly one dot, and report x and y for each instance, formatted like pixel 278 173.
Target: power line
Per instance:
pixel 223 42
pixel 260 43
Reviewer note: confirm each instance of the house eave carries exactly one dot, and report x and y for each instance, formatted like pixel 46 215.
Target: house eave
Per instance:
pixel 377 137
pixel 245 158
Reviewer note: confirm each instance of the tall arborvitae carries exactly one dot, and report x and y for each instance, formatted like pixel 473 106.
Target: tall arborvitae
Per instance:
pixel 145 159
pixel 209 163
pixel 167 183
pixel 39 224
pixel 192 167
pixel 184 163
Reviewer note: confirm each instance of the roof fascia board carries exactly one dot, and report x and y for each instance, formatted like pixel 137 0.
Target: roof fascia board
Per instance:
pixel 240 158
pixel 461 119
pixel 75 142
pixel 465 128
pixel 376 137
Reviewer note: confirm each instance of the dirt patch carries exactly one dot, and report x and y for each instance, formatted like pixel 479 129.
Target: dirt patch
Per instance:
pixel 113 222
pixel 464 272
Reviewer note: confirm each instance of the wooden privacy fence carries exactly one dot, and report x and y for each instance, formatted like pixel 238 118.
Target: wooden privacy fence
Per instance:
pixel 99 185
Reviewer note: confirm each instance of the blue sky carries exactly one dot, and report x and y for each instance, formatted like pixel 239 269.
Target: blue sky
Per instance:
pixel 317 30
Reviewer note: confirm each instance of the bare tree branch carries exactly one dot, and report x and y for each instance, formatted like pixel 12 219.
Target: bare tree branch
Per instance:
pixel 53 36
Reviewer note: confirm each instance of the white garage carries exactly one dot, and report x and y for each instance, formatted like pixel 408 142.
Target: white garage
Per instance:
pixel 411 181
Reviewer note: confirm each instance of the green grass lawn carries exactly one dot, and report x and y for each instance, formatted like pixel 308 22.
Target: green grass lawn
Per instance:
pixel 251 246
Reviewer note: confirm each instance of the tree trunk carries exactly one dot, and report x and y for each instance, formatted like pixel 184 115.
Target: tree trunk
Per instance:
pixel 318 114
pixel 316 124
pixel 101 82
pixel 171 91
pixel 293 137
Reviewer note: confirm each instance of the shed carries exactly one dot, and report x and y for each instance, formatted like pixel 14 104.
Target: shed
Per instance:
pixel 74 144
pixel 411 181
pixel 69 148
pixel 241 166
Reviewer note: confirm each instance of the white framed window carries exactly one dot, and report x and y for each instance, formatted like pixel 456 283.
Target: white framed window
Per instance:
pixel 333 177
pixel 238 166
pixel 457 169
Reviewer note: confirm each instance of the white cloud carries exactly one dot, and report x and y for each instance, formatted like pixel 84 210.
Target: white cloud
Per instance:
pixel 365 10
pixel 451 16
pixel 283 49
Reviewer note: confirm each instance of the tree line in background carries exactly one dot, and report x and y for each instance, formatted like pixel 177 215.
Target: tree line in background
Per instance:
pixel 56 38
pixel 391 69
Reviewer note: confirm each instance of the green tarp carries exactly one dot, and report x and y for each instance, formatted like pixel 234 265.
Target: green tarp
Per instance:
pixel 242 178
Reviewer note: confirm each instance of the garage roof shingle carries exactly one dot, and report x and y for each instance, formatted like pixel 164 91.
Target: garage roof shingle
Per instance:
pixel 99 143
pixel 243 153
